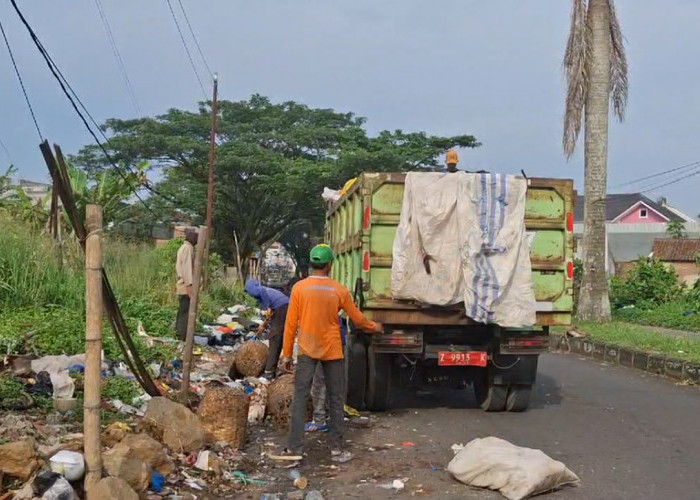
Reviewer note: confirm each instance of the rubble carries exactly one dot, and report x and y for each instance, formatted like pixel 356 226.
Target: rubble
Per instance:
pixel 119 463
pixel 113 488
pixel 174 425
pixel 19 459
pixel 114 433
pixel 146 449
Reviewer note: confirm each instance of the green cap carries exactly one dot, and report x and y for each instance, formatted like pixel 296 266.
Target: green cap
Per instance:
pixel 321 254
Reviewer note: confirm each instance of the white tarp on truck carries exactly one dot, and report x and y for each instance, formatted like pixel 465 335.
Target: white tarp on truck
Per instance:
pixel 461 238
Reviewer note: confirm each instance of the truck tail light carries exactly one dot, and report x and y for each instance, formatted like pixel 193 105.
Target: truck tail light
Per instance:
pixel 528 342
pixel 570 270
pixel 365 262
pixel 367 218
pixel 570 222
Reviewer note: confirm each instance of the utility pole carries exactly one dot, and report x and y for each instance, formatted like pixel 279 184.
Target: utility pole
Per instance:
pixel 210 187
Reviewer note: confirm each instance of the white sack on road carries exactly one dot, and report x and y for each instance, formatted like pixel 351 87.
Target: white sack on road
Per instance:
pixel 471 228
pixel 516 472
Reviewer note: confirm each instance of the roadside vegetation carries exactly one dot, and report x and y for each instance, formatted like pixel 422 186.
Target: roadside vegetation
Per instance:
pixel 649 298
pixel 42 304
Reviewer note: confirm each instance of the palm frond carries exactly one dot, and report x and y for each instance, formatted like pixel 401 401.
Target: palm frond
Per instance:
pixel 618 66
pixel 576 72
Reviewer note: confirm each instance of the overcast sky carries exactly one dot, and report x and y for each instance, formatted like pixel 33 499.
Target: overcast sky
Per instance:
pixel 488 68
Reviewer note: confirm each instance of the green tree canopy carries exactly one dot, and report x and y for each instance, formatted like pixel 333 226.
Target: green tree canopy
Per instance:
pixel 272 162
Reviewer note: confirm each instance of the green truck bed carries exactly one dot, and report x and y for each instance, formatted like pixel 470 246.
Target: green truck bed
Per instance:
pixel 361 228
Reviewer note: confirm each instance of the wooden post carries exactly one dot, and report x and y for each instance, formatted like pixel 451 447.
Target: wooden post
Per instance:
pixel 93 347
pixel 192 317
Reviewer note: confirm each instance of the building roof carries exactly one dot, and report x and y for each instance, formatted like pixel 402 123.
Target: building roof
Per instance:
pixel 676 250
pixel 617 204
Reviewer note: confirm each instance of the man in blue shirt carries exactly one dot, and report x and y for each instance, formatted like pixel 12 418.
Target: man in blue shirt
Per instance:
pixel 277 302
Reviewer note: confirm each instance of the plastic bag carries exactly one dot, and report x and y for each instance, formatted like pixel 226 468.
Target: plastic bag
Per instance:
pixel 516 472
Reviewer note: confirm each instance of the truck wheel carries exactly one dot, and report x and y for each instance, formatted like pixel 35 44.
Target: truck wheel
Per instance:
pixel 490 397
pixel 378 380
pixel 356 374
pixel 518 398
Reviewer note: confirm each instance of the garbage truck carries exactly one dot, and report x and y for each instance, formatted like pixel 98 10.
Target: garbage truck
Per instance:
pixel 428 345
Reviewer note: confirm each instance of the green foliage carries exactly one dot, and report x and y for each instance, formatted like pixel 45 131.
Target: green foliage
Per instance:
pixel 676 229
pixel 10 391
pixel 650 282
pixel 42 303
pixel 678 315
pixel 120 388
pixel 273 161
pixel 645 338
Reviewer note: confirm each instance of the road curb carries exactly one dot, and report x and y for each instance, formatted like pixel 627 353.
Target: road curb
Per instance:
pixel 675 368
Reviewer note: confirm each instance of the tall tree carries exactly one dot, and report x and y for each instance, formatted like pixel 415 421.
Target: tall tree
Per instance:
pixel 272 163
pixel 596 70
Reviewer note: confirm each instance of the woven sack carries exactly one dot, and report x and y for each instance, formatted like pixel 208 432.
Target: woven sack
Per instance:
pixel 251 358
pixel 223 413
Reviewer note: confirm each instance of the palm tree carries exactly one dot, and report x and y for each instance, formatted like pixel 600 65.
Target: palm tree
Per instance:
pixel 596 71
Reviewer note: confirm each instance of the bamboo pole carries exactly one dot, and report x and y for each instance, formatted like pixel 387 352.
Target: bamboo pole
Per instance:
pixel 192 316
pixel 210 186
pixel 93 347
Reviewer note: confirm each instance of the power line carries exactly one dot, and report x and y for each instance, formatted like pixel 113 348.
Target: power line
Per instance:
pixel 118 56
pixel 194 37
pixel 187 50
pixel 636 181
pixel 21 83
pixel 55 72
pixel 7 152
pixel 696 172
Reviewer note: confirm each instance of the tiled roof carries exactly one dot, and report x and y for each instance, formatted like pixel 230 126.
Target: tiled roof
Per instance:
pixel 616 204
pixel 680 250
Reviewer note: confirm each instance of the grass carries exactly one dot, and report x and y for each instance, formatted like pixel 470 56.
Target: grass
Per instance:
pixel 42 299
pixel 644 338
pixel 677 315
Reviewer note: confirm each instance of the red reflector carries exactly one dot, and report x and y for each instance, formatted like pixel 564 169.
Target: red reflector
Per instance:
pixel 569 221
pixel 570 270
pixel 531 342
pixel 365 262
pixel 366 219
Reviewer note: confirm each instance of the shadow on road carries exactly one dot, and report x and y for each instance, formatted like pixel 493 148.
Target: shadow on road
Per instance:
pixel 546 392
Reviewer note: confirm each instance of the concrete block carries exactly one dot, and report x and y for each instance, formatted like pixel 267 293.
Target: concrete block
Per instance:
pixel 656 364
pixel 691 372
pixel 599 350
pixel 612 353
pixel 674 368
pixel 626 357
pixel 641 361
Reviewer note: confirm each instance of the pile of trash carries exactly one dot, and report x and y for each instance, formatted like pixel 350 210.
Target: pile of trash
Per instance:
pixel 159 447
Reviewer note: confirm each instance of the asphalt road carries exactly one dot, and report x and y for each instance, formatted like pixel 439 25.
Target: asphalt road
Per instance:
pixel 628 435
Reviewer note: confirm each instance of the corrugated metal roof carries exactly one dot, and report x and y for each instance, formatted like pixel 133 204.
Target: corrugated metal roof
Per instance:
pixel 681 250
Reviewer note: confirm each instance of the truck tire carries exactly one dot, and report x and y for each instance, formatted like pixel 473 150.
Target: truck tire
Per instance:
pixel 518 398
pixel 490 397
pixel 378 380
pixel 356 374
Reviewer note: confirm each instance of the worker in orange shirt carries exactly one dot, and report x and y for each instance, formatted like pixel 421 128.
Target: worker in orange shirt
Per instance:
pixel 312 320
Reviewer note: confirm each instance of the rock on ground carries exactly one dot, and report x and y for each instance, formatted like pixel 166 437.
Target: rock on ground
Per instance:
pixel 134 471
pixel 19 459
pixel 174 425
pixel 113 488
pixel 146 449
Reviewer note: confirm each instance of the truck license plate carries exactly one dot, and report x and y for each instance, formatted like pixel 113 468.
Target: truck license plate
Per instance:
pixel 469 358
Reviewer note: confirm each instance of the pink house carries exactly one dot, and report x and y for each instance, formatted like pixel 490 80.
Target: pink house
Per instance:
pixel 633 208
pixel 640 213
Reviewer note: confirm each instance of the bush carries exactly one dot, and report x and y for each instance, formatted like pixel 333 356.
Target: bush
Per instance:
pixel 649 283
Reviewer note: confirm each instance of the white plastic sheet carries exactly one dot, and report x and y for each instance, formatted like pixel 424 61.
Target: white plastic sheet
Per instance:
pixel 469 230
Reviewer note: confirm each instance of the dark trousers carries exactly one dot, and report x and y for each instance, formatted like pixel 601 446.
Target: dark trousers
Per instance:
pixel 182 314
pixel 334 374
pixel 276 336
